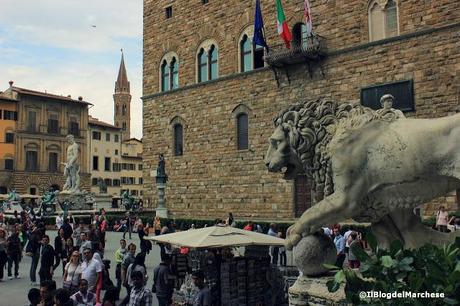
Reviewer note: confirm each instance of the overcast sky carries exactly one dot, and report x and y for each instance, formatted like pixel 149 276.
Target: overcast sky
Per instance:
pixel 73 47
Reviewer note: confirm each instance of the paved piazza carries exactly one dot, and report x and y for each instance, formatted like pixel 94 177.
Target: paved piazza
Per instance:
pixel 14 292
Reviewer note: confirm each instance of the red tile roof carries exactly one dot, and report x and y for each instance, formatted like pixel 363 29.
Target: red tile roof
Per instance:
pixel 95 121
pixel 30 92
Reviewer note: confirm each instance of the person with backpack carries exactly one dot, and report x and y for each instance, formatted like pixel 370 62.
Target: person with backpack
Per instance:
pixel 163 282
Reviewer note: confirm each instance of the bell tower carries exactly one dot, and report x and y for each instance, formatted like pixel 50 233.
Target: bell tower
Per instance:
pixel 122 101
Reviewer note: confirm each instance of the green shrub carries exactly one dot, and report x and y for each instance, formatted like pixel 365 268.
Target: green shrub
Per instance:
pixel 430 268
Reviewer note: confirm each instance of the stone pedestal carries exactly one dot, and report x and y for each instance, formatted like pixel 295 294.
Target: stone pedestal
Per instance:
pixel 102 201
pixel 312 291
pixel 81 200
pixel 310 288
pixel 161 210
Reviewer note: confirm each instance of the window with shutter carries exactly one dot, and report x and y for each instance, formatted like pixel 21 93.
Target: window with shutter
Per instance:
pixel 178 140
pixel 242 131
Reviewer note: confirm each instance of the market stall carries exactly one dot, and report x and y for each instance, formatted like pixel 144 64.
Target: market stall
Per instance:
pixel 235 277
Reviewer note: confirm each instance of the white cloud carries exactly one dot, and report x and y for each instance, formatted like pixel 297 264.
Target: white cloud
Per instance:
pixel 52 45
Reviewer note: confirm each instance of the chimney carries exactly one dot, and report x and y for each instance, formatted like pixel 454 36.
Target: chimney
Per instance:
pixel 11 83
pixel 69 96
pixel 80 98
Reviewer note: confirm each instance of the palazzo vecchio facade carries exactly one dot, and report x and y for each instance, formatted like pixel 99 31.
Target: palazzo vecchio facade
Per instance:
pixel 209 96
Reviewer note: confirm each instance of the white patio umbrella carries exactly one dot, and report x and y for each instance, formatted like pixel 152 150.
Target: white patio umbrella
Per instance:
pixel 215 237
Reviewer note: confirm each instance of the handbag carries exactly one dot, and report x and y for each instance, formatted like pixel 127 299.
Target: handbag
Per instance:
pixel 69 284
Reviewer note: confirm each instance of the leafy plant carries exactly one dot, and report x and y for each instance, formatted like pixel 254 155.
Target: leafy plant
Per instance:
pixel 429 269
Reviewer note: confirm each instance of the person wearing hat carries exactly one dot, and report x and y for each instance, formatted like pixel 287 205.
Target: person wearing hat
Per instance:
pixel 386 101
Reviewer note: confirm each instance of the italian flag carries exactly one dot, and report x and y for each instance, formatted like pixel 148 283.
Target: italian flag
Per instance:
pixel 283 29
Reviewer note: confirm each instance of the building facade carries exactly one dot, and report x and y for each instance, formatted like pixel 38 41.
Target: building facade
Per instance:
pixel 43 122
pixel 8 127
pixel 104 155
pixel 210 96
pixel 131 167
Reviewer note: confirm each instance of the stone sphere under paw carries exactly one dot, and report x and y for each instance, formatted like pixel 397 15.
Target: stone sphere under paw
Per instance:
pixel 312 252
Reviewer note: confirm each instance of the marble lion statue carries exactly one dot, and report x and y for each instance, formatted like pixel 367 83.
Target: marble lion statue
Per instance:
pixel 366 165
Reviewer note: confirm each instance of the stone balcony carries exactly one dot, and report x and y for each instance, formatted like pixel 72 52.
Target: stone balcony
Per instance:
pixel 311 51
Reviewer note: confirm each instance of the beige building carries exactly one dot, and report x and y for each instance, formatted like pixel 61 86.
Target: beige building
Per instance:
pixel 210 98
pixel 104 155
pixel 8 127
pixel 43 122
pixel 131 167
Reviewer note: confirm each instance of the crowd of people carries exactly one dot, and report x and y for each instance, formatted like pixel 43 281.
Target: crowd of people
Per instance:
pixel 80 249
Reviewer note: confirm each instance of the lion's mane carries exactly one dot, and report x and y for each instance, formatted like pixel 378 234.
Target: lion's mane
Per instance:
pixel 312 125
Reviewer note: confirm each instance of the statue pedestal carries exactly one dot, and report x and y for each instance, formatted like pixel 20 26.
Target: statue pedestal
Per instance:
pixel 310 288
pixel 80 200
pixel 102 201
pixel 312 291
pixel 161 212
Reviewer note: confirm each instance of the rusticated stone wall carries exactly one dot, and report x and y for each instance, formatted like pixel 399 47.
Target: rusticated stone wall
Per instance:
pixel 213 177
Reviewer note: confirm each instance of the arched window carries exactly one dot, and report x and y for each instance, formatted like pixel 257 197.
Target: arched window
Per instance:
pixel 251 56
pixel 116 109
pixel 174 74
pixel 383 19
pixel 246 54
pixel 123 110
pixel 202 66
pixel 124 126
pixel 213 56
pixel 300 36
pixel 178 139
pixel 164 76
pixel 242 131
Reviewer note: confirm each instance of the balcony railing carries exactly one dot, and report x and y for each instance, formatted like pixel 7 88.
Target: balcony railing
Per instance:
pixel 313 48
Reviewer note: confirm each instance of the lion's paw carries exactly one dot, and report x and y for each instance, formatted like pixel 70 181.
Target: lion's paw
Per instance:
pixel 292 241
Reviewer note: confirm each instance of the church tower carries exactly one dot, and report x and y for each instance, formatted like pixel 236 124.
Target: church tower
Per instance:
pixel 122 101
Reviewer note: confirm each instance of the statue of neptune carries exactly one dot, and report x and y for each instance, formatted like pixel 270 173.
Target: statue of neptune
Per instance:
pixel 72 169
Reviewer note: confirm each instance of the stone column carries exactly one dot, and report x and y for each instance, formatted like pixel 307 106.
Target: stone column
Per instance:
pixel 161 210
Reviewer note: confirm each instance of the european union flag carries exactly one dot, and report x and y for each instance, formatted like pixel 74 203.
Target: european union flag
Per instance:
pixel 259 38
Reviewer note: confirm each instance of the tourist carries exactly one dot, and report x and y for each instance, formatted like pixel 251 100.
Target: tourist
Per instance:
pixel 272 231
pixel 442 218
pixel 13 249
pixel 2 217
pixel 62 298
pixel 59 249
pixel 347 239
pixel 103 228
pixel 97 257
pixel 145 245
pixel 139 296
pixel 138 265
pixel 110 296
pixel 47 265
pixel 163 282
pixel 353 261
pixel 91 270
pixel 70 248
pixel 72 273
pixel 119 255
pixel 248 226
pixel 59 221
pixel 77 233
pixel 328 231
pixel 33 250
pixel 71 220
pixel 85 243
pixel 34 297
pixel 157 225
pixel 3 254
pixel 339 242
pixel 128 227
pixel 127 261
pixel 68 230
pixel 84 297
pixel 282 251
pixel 203 297
pixel 230 221
pixel 46 293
